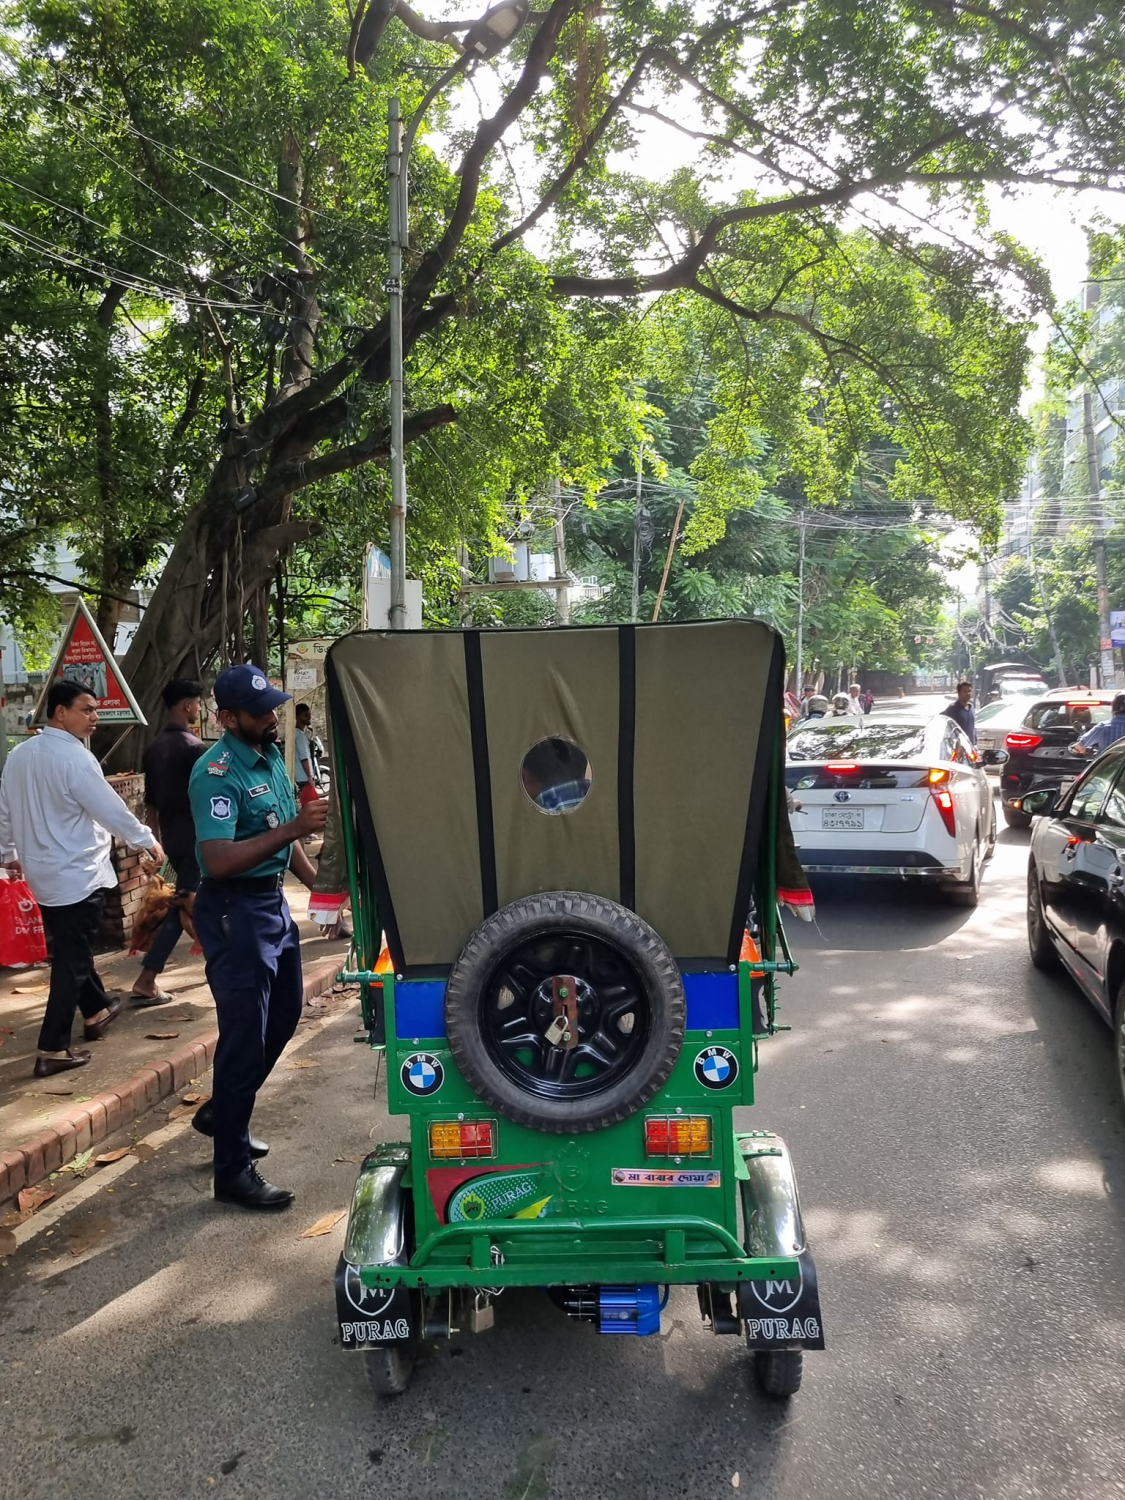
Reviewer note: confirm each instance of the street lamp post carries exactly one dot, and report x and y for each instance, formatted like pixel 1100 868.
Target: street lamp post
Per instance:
pixel 483 40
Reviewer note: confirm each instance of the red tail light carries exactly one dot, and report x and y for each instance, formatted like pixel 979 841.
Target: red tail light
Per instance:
pixel 1019 741
pixel 462 1140
pixel 944 800
pixel 841 765
pixel 678 1135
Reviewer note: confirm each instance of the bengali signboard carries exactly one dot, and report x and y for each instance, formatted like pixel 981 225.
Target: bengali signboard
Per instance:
pixel 84 657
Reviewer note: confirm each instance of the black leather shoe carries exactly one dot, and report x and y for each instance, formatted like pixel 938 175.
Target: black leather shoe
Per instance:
pixel 46 1067
pixel 204 1121
pixel 95 1030
pixel 251 1190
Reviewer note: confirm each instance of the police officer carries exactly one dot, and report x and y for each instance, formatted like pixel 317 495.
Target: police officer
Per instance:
pixel 248 833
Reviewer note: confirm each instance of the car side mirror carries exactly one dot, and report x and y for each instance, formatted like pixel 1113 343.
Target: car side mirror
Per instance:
pixel 1040 803
pixel 993 757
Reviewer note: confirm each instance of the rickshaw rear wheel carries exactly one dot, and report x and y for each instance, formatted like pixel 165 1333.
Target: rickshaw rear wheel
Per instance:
pixel 390 1366
pixel 778 1371
pixel 501 1005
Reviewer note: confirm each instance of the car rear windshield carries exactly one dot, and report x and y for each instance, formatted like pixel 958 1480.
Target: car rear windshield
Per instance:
pixel 835 740
pixel 1059 715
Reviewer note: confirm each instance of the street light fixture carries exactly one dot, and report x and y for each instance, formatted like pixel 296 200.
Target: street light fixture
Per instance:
pixel 496 28
pixel 484 39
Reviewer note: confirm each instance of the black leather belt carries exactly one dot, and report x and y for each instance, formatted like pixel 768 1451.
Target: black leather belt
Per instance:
pixel 245 885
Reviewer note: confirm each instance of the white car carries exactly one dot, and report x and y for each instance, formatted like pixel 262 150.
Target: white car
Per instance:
pixel 995 722
pixel 891 797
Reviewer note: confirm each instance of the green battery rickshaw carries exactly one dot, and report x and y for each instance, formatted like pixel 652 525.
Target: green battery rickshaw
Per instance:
pixel 565 851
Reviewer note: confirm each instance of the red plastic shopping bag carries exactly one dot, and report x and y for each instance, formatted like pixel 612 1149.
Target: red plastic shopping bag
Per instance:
pixel 22 940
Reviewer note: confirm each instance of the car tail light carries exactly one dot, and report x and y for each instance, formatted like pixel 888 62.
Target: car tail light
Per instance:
pixel 1019 741
pixel 937 775
pixel 944 800
pixel 462 1140
pixel 837 766
pixel 678 1135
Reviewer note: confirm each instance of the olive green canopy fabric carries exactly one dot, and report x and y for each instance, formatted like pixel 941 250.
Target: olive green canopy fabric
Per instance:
pixel 676 723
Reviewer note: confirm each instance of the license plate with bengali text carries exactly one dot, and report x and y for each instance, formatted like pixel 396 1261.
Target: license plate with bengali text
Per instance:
pixel 841 817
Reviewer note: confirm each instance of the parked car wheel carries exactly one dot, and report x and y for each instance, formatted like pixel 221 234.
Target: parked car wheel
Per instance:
pixel 1039 944
pixel 1119 1042
pixel 967 892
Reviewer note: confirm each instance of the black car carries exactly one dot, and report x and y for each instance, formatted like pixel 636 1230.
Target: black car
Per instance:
pixel 1039 750
pixel 1076 887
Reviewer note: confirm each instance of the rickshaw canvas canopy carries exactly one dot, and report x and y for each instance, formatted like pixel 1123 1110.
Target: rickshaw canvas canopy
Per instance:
pixel 679 723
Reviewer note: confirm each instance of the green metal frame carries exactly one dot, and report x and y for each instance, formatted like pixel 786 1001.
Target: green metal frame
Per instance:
pixel 590 1247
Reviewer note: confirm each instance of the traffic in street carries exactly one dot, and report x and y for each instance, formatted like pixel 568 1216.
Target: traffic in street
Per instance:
pixel 953 1115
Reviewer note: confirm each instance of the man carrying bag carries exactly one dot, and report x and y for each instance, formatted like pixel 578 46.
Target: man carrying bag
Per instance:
pixel 57 818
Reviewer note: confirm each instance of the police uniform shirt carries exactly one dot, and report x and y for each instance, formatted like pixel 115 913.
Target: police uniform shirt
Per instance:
pixel 239 791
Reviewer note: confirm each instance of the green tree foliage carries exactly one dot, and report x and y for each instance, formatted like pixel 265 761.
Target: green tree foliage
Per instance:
pixel 191 291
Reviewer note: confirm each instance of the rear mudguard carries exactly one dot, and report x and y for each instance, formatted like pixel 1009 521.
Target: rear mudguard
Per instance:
pixel 378 1230
pixel 781 1313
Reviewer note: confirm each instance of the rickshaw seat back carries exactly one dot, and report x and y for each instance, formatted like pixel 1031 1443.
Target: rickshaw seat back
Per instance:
pixel 678 723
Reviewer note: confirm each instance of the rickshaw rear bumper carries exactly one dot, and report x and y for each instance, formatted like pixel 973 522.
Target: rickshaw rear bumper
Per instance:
pixel 383 1284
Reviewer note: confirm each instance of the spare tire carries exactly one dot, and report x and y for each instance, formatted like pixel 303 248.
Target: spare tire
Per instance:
pixel 502 999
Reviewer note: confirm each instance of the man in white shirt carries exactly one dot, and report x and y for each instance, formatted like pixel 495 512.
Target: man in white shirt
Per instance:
pixel 57 815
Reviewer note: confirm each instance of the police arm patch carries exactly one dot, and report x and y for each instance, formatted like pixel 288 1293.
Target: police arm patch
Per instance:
pixel 221 807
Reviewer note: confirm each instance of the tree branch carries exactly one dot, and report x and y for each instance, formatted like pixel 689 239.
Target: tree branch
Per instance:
pixel 288 477
pixel 580 159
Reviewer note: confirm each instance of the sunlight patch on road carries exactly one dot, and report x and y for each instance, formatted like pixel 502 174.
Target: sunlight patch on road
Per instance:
pixel 1080 1179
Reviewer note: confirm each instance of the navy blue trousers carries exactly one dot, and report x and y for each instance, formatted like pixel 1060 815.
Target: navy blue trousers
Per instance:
pixel 253 957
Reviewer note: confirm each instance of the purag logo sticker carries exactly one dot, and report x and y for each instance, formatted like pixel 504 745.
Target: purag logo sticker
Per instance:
pixel 220 807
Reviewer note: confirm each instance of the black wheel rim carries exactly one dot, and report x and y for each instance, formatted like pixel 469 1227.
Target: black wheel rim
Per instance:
pixel 613 1016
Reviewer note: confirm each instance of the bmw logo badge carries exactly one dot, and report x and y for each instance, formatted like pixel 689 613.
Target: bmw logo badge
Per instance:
pixel 422 1073
pixel 716 1067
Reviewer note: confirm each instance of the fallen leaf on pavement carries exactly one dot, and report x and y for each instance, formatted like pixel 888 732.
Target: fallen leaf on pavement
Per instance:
pixel 29 989
pixel 82 1237
pixel 79 1164
pixel 161 1036
pixel 181 1110
pixel 324 1225
pixel 196 1098
pixel 107 1156
pixel 7 1242
pixel 142 1151
pixel 31 1198
pixel 59 1093
pixel 181 1018
pixel 303 1062
pixel 355 1160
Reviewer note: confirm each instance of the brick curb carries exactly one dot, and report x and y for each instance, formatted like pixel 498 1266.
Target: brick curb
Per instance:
pixel 92 1122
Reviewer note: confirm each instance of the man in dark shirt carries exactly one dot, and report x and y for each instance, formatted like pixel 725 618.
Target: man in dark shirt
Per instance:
pixel 961 711
pixel 167 766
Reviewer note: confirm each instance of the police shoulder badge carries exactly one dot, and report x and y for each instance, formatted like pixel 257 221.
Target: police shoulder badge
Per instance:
pixel 221 807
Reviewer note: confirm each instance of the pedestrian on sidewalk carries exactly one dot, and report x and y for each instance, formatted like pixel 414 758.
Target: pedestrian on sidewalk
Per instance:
pixel 57 815
pixel 167 765
pixel 302 756
pixel 248 831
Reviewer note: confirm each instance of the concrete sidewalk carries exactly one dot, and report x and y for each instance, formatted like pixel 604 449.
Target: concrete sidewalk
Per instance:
pixel 146 1055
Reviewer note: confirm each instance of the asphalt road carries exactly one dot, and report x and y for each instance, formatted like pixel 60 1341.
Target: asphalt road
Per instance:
pixel 960 1154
